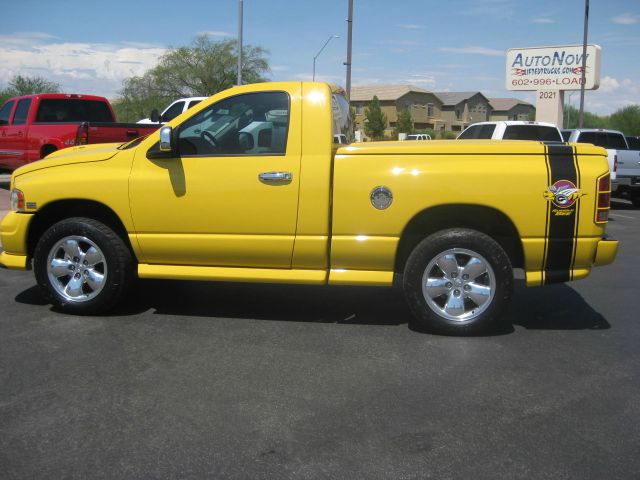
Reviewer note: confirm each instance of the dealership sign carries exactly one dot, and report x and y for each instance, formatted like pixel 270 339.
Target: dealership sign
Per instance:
pixel 552 68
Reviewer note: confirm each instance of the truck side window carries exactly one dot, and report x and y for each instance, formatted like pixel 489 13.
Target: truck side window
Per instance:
pixel 22 110
pixel 614 140
pixel 172 112
pixel 249 124
pixel 5 112
pixel 478 132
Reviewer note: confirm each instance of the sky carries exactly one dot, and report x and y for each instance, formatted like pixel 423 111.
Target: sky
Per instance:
pixel 456 45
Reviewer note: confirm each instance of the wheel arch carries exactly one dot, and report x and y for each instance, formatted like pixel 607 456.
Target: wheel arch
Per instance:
pixel 48 147
pixel 487 220
pixel 62 209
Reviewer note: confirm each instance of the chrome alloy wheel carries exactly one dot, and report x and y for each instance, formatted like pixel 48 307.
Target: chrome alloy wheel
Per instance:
pixel 458 284
pixel 77 269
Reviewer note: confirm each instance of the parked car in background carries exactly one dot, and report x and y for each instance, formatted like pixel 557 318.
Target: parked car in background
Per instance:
pixel 623 161
pixel 33 126
pixel 512 130
pixel 172 111
pixel 418 136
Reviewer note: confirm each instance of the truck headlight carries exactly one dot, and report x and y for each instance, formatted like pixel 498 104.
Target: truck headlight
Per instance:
pixel 17 200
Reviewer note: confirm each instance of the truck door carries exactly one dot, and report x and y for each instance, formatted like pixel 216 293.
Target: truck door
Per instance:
pixel 17 132
pixel 8 156
pixel 230 197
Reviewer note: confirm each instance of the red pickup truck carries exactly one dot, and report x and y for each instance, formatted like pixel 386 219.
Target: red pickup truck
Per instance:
pixel 33 126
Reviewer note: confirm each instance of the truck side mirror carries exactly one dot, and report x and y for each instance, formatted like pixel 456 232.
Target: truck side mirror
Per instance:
pixel 154 116
pixel 166 139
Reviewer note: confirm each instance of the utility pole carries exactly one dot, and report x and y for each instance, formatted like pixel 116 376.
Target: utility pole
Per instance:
pixel 584 62
pixel 349 40
pixel 240 7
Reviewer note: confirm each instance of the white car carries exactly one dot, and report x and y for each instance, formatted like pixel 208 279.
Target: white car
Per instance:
pixel 512 130
pixel 173 110
pixel 418 136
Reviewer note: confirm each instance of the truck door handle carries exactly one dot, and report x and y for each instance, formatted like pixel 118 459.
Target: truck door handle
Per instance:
pixel 275 177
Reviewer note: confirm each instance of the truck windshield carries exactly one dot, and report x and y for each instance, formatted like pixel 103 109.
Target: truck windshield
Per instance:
pixel 73 110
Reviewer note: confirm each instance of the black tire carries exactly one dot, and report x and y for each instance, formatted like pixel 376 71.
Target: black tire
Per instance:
pixel 104 266
pixel 635 200
pixel 439 312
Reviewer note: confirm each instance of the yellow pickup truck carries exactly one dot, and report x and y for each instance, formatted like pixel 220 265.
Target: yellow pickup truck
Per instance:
pixel 250 186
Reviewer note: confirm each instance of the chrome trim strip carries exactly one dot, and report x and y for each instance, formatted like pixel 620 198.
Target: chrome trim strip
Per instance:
pixel 11 153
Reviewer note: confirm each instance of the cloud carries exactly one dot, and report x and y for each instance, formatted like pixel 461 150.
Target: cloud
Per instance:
pixel 215 33
pixel 626 19
pixel 421 79
pixel 543 20
pixel 411 26
pixel 97 68
pixel 609 84
pixel 474 50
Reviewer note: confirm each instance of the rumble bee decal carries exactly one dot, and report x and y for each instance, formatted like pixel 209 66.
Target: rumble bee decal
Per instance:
pixel 563 213
pixel 563 194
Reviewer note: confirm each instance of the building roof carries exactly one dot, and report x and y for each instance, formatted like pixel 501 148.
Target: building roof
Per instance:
pixel 506 104
pixel 454 98
pixel 383 92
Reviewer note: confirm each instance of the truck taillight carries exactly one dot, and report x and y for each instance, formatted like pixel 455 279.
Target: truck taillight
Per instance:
pixel 82 135
pixel 615 162
pixel 603 198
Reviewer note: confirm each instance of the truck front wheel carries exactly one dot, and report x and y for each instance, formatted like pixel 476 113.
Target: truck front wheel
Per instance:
pixel 457 282
pixel 82 266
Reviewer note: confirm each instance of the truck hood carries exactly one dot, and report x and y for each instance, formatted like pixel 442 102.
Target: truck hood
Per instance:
pixel 67 156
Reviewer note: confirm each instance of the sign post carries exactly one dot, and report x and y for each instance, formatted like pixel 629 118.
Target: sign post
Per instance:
pixel 549 71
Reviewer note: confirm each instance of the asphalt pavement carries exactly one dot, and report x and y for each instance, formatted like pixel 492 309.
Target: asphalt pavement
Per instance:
pixel 215 380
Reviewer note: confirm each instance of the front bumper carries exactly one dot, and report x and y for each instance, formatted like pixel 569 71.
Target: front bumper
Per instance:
pixel 13 229
pixel 606 252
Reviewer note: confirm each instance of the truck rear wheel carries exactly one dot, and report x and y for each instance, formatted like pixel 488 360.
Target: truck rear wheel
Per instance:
pixel 457 282
pixel 82 266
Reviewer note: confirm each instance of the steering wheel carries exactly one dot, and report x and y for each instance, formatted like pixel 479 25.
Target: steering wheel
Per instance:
pixel 208 136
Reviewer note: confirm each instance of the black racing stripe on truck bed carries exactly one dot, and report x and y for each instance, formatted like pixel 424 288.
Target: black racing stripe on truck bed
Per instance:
pixel 562 228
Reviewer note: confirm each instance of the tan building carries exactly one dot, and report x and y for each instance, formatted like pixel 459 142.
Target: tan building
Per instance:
pixel 511 109
pixel 461 109
pixel 440 111
pixel 424 106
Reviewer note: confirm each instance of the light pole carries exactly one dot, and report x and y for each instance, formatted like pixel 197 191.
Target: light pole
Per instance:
pixel 318 54
pixel 569 110
pixel 584 62
pixel 349 40
pixel 240 5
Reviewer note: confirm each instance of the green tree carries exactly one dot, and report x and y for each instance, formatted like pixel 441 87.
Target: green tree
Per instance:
pixel 203 68
pixel 404 123
pixel 591 120
pixel 626 120
pixel 375 121
pixel 21 85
